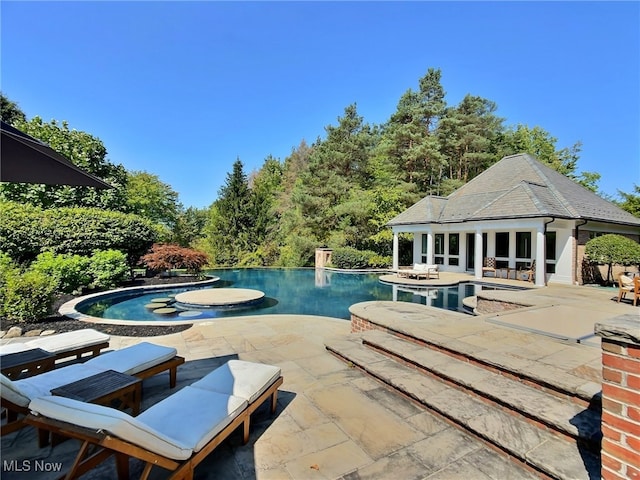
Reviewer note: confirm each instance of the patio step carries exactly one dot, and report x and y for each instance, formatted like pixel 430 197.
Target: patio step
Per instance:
pixel 555 437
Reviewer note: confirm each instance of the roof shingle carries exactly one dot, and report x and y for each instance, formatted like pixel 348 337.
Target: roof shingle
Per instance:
pixel 515 187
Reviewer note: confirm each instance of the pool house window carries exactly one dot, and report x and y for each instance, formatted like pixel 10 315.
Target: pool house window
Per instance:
pixel 550 251
pixel 425 245
pixel 502 249
pixel 438 248
pixel 454 249
pixel 523 249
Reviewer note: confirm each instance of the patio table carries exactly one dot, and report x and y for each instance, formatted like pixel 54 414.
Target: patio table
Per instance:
pixel 31 362
pixel 104 388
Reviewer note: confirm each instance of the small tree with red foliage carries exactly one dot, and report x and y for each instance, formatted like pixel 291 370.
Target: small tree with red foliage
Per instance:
pixel 164 256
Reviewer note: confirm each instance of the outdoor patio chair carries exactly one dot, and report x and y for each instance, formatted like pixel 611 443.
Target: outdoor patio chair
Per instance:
pixel 489 265
pixel 625 285
pixel 529 272
pixel 175 434
pixel 64 345
pixel 142 360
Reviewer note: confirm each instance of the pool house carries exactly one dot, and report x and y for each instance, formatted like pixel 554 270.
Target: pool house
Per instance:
pixel 517 214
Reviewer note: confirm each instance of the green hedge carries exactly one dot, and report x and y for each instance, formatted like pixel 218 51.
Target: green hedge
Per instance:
pixel 26 231
pixel 351 258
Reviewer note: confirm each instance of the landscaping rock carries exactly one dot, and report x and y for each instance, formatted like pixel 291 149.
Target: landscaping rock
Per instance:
pixel 14 332
pixel 33 333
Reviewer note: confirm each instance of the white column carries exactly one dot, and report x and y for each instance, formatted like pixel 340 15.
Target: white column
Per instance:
pixel 541 279
pixel 395 251
pixel 417 248
pixel 477 260
pixel 430 259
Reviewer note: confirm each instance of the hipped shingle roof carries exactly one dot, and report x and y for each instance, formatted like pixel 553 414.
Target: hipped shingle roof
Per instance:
pixel 518 186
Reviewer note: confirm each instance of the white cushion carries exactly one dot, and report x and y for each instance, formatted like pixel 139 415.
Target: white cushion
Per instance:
pixel 431 267
pixel 240 378
pixel 120 424
pixel 40 385
pixel 69 340
pixel 10 391
pixel 626 280
pixel 133 359
pixel 14 348
pixel 193 416
pixel 419 266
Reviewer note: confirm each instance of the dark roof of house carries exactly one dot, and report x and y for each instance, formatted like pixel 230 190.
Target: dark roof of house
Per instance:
pixel 518 186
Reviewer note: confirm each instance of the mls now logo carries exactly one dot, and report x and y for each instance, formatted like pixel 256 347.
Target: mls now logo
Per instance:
pixel 31 466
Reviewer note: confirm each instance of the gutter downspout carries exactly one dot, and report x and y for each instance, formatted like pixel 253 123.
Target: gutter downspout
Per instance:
pixel 575 273
pixel 544 234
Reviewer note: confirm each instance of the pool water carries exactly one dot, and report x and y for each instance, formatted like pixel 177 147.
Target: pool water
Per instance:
pixel 287 291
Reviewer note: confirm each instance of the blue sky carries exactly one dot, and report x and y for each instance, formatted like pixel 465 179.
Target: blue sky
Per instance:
pixel 182 89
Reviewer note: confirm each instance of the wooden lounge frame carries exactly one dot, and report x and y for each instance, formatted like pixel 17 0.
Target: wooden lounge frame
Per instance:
pixel 424 272
pixel 108 445
pixel 15 414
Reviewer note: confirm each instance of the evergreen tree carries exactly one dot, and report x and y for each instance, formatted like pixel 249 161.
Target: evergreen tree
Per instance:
pixel 230 228
pixel 630 201
pixel 467 132
pixel 410 135
pixel 10 111
pixel 338 169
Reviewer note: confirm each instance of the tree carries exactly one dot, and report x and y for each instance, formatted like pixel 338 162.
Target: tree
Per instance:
pixel 467 132
pixel 151 198
pixel 10 112
pixel 338 169
pixel 189 226
pixel 167 257
pixel 542 145
pixel 229 229
pixel 612 249
pixel 85 151
pixel 266 185
pixel 630 201
pixel 409 137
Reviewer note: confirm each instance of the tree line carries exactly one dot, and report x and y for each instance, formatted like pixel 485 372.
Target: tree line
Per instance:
pixel 338 192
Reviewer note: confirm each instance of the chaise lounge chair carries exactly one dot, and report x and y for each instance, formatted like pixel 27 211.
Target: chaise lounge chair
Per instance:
pixel 64 345
pixel 142 360
pixel 175 434
pixel 419 270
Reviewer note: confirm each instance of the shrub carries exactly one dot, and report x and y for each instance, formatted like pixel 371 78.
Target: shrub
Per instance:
pixel 349 257
pixel 612 249
pixel 27 296
pixel 69 273
pixel 169 257
pixel 352 258
pixel 83 230
pixel 108 268
pixel 21 231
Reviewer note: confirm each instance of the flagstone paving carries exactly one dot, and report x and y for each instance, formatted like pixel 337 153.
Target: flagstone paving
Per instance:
pixel 332 420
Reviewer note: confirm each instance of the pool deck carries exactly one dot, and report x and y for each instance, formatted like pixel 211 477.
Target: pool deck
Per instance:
pixel 332 420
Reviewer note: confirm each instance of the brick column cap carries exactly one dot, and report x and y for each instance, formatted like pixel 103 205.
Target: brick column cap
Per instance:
pixel 625 328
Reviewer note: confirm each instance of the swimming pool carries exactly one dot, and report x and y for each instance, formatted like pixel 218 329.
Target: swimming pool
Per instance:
pixel 287 291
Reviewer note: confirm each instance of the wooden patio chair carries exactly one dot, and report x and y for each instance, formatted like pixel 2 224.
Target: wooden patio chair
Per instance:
pixel 175 434
pixel 63 345
pixel 489 265
pixel 625 285
pixel 529 272
pixel 142 360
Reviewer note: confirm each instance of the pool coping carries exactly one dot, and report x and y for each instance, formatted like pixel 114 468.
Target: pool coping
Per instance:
pixel 68 309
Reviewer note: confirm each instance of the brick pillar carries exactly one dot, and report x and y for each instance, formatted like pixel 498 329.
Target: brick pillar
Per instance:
pixel 620 397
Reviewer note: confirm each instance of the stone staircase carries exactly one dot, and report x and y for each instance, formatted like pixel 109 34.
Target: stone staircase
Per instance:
pixel 542 426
